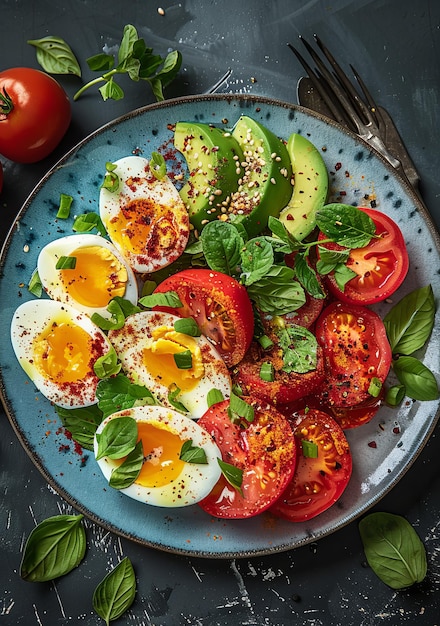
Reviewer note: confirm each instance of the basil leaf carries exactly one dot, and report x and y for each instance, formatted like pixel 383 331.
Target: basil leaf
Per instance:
pixel 192 454
pixel 129 37
pixel 222 244
pixel 111 180
pixel 168 298
pixel 120 309
pixel 419 381
pixel 118 393
pixel 173 393
pixel 54 548
pixel 125 474
pixel 307 277
pixel 100 62
pixel 343 274
pixel 393 549
pixel 277 293
pixel 107 365
pixel 214 396
pixel 281 232
pixel 256 260
pixel 118 438
pixel 346 225
pixel 115 594
pixel 187 326
pixel 55 56
pixel 329 259
pixel 233 474
pixel 111 90
pixel 81 423
pixel 183 360
pixel 410 322
pixel 299 347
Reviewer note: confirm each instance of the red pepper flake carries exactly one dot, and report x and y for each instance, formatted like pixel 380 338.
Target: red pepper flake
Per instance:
pixel 372 444
pixel 64 448
pixel 396 429
pixel 338 166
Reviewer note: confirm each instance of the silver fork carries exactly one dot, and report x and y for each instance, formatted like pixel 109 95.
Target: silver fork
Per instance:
pixel 347 107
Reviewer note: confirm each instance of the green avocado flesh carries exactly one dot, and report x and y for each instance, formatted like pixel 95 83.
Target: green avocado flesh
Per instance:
pixel 213 158
pixel 265 187
pixel 310 187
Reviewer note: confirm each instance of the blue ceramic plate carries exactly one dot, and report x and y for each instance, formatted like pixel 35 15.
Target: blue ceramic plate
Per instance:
pixel 358 177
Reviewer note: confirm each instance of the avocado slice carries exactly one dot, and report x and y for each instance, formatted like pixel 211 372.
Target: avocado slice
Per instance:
pixel 266 186
pixel 310 187
pixel 213 157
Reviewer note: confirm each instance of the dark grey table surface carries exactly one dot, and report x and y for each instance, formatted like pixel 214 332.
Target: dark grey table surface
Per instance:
pixel 395 45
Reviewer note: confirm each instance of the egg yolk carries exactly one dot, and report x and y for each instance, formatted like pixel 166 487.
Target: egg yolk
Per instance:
pixel 62 352
pixel 161 455
pixel 144 226
pixel 158 358
pixel 98 276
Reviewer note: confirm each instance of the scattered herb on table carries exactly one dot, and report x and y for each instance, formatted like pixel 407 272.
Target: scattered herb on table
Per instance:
pixel 54 548
pixel 393 549
pixel 115 594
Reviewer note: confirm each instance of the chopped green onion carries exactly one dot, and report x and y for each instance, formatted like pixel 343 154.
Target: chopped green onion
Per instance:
pixel 64 207
pixel 375 387
pixel 86 222
pixel 267 372
pixel 192 454
pixel 395 395
pixel 66 263
pixel 35 287
pixel 214 396
pixel 183 360
pixel 265 342
pixel 238 409
pixel 187 326
pixel 309 449
pixel 169 298
pixel 157 165
pixel 111 179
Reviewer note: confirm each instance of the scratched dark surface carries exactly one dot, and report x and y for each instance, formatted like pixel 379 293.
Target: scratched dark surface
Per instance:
pixel 395 45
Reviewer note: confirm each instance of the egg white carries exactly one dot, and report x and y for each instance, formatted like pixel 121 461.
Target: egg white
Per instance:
pixel 136 335
pixel 194 482
pixel 65 246
pixel 30 320
pixel 162 208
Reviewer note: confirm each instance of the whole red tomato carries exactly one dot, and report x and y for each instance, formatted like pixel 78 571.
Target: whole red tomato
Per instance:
pixel 34 114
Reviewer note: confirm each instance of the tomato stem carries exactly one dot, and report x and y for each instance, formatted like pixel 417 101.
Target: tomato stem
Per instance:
pixel 6 104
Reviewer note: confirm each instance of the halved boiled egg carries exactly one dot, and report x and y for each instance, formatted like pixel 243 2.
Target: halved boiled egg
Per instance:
pixel 166 480
pixel 57 346
pixel 97 272
pixel 145 217
pixel 174 366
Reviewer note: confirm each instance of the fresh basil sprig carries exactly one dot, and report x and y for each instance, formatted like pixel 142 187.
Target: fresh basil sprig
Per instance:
pixel 345 225
pixel 233 474
pixel 393 549
pixel 192 454
pixel 409 325
pixel 54 548
pixel 115 594
pixel 138 61
pixel 55 56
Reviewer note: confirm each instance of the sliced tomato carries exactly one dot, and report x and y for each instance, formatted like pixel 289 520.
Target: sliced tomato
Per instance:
pixel 264 450
pixel 354 416
pixel 318 482
pixel 380 267
pixel 357 355
pixel 286 386
pixel 220 306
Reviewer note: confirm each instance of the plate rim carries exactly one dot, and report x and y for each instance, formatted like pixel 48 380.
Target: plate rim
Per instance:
pixel 35 457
